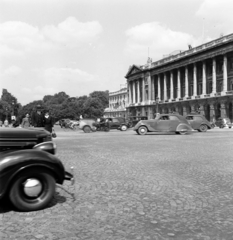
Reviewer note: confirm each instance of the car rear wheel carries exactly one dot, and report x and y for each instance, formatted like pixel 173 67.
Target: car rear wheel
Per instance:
pixel 32 190
pixel 123 128
pixel 183 132
pixel 87 129
pixel 203 128
pixel 106 129
pixel 142 130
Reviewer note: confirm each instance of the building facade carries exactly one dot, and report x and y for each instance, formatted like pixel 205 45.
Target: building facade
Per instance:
pixel 199 79
pixel 118 102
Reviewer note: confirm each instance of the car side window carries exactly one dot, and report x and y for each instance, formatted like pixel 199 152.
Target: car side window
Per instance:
pixel 115 120
pixel 164 118
pixel 189 118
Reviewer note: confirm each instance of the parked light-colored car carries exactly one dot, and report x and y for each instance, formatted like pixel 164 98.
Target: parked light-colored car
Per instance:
pixel 164 123
pixel 87 125
pixel 198 122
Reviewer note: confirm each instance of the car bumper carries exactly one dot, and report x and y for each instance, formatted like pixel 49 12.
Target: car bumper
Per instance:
pixel 70 176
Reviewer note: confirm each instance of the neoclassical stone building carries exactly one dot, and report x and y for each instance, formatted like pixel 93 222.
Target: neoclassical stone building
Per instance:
pixel 199 79
pixel 118 102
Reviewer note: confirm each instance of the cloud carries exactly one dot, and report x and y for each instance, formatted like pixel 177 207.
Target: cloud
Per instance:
pixel 219 13
pixel 158 38
pixel 19 38
pixel 72 33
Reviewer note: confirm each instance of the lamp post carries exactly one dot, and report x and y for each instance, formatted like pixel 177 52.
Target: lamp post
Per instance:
pixel 6 114
pixel 13 110
pixel 157 105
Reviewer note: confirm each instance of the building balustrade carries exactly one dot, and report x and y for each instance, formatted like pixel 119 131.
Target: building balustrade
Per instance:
pixel 190 51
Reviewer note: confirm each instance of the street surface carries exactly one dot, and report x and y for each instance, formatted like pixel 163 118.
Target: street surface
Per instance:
pixel 130 187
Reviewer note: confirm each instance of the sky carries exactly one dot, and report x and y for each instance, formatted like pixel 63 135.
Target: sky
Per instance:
pixel 81 46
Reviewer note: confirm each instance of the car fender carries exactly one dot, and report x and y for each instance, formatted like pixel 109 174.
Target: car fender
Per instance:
pixel 13 162
pixel 184 126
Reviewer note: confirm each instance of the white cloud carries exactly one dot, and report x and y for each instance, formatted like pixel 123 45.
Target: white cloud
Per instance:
pixel 158 38
pixel 19 38
pixel 218 13
pixel 71 32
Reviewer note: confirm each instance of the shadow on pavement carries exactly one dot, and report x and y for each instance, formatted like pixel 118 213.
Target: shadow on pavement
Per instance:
pixel 6 206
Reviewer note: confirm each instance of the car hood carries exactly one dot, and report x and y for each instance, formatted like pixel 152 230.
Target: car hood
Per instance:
pixel 22 133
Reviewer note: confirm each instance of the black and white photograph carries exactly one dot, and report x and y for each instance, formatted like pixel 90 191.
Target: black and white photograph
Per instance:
pixel 116 120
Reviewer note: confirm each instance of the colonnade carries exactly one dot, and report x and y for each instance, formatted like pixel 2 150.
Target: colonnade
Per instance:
pixel 182 83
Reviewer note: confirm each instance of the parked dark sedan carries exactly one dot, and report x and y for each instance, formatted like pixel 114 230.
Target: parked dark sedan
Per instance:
pixel 164 123
pixel 198 122
pixel 108 123
pixel 223 122
pixel 29 170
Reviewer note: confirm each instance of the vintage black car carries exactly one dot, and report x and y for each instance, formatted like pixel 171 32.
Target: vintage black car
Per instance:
pixel 199 122
pixel 29 170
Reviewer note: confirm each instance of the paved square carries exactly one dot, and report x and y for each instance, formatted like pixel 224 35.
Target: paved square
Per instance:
pixel 158 186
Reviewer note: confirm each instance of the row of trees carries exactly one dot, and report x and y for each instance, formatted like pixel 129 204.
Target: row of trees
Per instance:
pixel 60 105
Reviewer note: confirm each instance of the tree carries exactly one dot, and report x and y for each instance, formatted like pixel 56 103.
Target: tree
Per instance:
pixel 93 108
pixel 103 96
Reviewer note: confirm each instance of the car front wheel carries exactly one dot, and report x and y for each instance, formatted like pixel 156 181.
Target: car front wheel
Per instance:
pixel 87 129
pixel 203 128
pixel 142 130
pixel 32 190
pixel 123 128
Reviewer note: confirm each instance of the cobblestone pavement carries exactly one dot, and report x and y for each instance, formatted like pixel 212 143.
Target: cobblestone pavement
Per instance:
pixel 158 186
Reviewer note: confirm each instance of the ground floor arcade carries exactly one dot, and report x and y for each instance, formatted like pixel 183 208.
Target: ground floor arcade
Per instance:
pixel 211 108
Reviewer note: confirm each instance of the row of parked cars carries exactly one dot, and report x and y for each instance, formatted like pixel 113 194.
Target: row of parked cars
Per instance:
pixel 163 122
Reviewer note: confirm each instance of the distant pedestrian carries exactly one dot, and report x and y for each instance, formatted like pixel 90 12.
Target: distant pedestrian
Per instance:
pixel 6 123
pixel 38 118
pixel 81 117
pixel 26 122
pixel 48 122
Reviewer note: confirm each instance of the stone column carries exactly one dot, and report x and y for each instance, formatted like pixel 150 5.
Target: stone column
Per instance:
pixel 184 110
pixel 171 85
pixel 134 91
pixel 194 80
pixel 214 77
pixel 178 85
pixel 223 109
pixel 203 78
pixel 159 88
pixel 193 108
pixel 149 88
pixel 225 73
pixel 202 109
pixel 130 94
pixel 153 88
pixel 138 83
pixel 165 86
pixel 212 112
pixel 186 82
pixel 143 90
